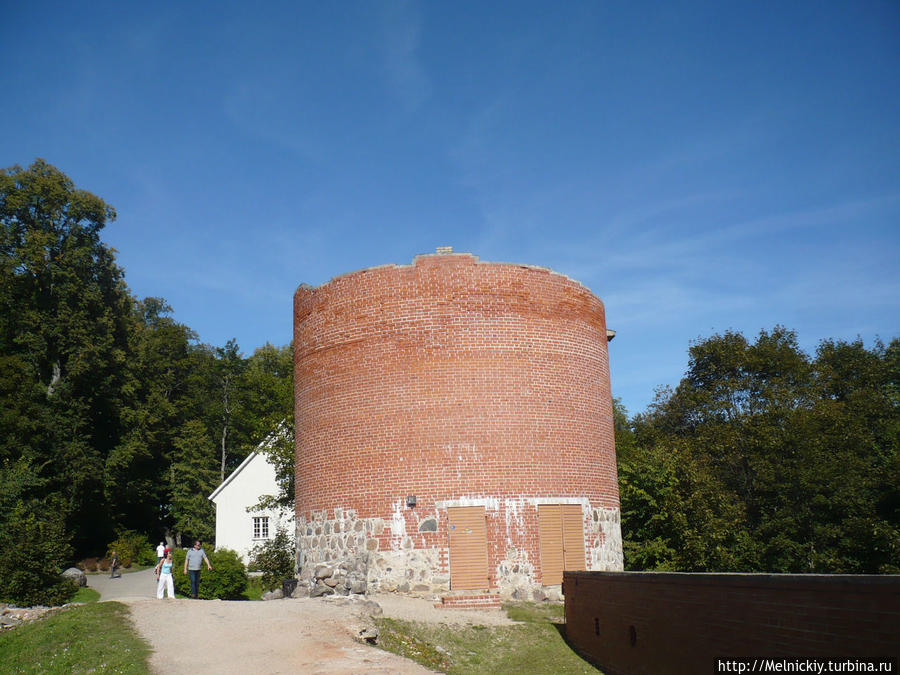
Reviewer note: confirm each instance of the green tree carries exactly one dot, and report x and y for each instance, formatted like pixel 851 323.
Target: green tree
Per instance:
pixel 193 477
pixel 763 459
pixel 269 394
pixel 64 312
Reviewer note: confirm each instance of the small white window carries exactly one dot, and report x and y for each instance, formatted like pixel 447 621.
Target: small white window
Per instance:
pixel 261 528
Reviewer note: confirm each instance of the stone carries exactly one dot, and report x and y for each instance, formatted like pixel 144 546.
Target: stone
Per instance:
pixel 320 590
pixel 273 595
pixel 7 622
pixel 368 634
pixel 421 588
pixel 372 608
pixel 324 571
pixel 300 592
pixel 428 525
pixel 372 545
pixel 331 582
pixel 538 595
pixel 76 575
pixel 358 586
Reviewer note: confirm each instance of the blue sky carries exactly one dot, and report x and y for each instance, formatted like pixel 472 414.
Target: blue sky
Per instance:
pixel 699 166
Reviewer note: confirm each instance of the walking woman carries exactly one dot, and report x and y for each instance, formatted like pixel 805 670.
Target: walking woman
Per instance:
pixel 164 577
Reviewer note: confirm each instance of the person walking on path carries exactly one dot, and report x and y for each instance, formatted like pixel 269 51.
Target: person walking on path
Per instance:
pixel 164 579
pixel 160 552
pixel 193 562
pixel 114 565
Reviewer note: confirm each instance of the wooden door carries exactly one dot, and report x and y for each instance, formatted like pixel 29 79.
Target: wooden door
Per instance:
pixel 561 533
pixel 468 548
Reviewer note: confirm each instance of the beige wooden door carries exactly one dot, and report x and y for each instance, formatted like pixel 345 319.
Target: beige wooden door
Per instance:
pixel 561 533
pixel 468 548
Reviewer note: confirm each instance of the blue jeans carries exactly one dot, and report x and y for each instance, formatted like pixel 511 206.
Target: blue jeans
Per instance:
pixel 195 582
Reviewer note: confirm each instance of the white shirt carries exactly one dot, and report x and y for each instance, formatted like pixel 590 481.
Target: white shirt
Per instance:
pixel 160 551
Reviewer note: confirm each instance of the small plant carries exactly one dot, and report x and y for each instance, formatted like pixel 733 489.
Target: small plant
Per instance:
pixel 275 559
pixel 226 581
pixel 88 565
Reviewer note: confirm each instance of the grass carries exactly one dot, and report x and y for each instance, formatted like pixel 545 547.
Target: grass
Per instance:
pixel 85 594
pixel 535 645
pixel 92 638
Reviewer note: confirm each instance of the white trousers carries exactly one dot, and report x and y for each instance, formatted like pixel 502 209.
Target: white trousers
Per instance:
pixel 165 582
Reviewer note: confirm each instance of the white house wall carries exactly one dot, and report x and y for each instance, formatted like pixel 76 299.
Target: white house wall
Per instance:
pixel 234 525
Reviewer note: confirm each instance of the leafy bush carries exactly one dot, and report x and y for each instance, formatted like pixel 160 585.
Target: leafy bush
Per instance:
pixel 275 559
pixel 88 565
pixel 103 564
pixel 133 548
pixel 33 554
pixel 226 581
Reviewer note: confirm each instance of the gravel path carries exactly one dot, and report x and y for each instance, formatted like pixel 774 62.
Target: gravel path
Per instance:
pixel 279 636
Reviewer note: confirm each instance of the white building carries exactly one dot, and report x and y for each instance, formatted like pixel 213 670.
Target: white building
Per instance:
pixel 237 528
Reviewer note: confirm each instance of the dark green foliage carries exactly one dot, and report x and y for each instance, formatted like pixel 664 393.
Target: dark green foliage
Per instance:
pixel 764 459
pixel 119 417
pixel 34 543
pixel 133 548
pixel 193 477
pixel 63 337
pixel 226 581
pixel 275 559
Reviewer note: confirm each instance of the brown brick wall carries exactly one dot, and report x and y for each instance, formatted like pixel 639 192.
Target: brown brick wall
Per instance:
pixel 451 379
pixel 681 622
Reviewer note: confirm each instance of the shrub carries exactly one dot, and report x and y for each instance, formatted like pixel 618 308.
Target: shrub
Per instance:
pixel 33 554
pixel 226 581
pixel 133 548
pixel 88 565
pixel 275 559
pixel 103 565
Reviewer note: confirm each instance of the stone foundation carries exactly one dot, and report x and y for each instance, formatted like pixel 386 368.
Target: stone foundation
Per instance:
pixel 340 553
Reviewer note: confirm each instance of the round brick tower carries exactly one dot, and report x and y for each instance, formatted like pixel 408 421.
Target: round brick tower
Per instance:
pixel 454 429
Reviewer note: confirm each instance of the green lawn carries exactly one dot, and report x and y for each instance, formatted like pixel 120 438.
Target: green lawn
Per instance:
pixel 92 638
pixel 86 594
pixel 535 645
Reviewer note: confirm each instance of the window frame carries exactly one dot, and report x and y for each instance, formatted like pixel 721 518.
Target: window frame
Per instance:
pixel 260 525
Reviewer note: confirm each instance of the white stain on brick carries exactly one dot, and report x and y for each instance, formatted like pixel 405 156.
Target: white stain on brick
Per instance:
pixel 398 525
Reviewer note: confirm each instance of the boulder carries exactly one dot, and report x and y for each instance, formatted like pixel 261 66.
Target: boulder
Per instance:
pixel 76 575
pixel 320 589
pixel 324 571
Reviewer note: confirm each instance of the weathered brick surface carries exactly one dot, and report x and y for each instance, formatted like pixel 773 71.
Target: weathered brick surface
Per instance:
pixel 459 382
pixel 637 622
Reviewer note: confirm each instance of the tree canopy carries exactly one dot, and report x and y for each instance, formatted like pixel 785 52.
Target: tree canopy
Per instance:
pixel 766 459
pixel 115 417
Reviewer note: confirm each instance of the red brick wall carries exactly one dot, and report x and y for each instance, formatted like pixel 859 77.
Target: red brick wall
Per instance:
pixel 681 622
pixel 446 379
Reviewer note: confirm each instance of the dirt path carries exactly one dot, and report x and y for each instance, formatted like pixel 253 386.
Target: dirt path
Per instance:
pixel 262 638
pixel 280 636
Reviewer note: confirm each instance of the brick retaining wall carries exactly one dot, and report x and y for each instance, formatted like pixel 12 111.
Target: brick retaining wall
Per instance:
pixel 644 622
